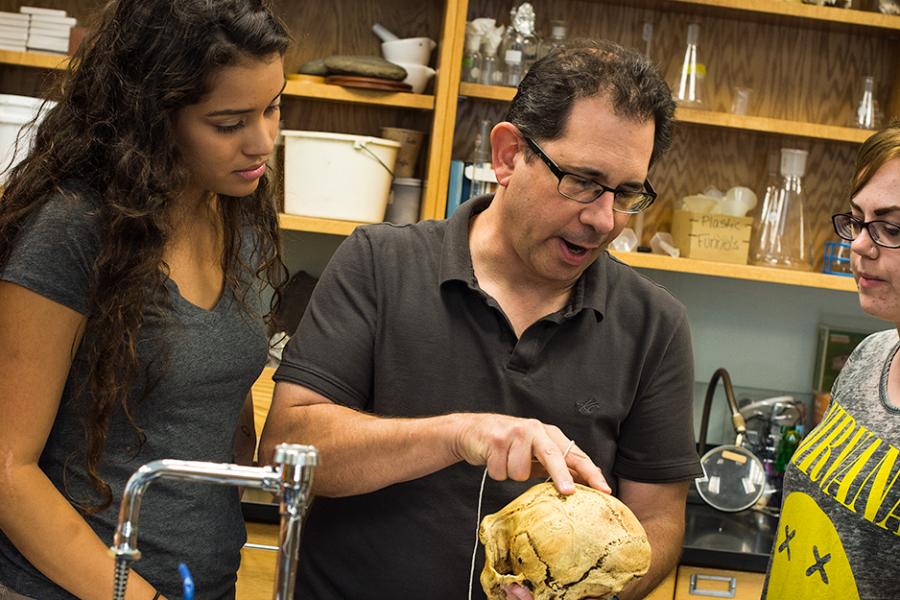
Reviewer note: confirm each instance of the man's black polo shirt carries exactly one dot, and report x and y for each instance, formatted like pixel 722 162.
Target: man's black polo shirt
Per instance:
pixel 398 326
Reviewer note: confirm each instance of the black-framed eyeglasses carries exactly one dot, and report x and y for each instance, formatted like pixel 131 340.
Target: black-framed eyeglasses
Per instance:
pixel 584 190
pixel 883 233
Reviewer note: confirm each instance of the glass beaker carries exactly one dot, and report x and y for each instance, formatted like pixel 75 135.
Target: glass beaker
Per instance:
pixel 785 238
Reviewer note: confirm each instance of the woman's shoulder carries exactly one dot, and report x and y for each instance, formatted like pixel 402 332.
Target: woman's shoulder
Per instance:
pixel 880 342
pixel 71 209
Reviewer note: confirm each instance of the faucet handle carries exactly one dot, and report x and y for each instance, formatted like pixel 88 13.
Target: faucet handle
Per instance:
pixel 296 455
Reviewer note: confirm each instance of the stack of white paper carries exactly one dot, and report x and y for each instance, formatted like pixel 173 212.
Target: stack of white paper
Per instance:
pixel 13 31
pixel 48 29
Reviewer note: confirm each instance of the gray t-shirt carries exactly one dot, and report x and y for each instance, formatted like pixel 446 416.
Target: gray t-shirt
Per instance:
pixel 839 533
pixel 214 356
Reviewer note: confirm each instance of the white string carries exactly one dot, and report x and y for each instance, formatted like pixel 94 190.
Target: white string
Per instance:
pixel 478 519
pixel 477 525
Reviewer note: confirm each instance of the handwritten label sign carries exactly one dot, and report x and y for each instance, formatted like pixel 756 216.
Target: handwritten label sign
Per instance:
pixel 712 237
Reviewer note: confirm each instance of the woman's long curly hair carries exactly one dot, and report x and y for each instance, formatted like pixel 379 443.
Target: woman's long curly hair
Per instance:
pixel 112 131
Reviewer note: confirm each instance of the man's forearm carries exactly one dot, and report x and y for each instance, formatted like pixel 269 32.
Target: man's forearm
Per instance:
pixel 666 539
pixel 362 453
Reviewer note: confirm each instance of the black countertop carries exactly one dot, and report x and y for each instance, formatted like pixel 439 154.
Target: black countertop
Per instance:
pixel 738 541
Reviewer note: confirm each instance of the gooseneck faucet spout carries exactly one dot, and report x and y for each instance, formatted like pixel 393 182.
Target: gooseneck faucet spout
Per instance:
pixel 737 419
pixel 290 477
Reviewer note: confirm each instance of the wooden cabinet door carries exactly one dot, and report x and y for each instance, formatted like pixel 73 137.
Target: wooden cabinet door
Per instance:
pixel 701 583
pixel 665 590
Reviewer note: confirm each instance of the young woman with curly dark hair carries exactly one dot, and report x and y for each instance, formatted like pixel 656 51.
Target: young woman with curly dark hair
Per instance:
pixel 136 240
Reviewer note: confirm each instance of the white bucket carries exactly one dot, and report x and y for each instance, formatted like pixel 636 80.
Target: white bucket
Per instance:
pixel 337 176
pixel 16 111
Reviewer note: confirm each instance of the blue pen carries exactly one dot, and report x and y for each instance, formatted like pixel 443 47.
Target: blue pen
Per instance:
pixel 187 581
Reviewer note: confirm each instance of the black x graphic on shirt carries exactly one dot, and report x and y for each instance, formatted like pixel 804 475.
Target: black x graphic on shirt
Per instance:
pixel 786 544
pixel 819 565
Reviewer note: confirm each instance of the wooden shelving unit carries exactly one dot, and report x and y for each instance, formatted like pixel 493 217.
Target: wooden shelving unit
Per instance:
pixel 38 60
pixel 448 89
pixel 638 260
pixel 496 93
pixel 300 89
pixel 836 17
pixel 314 225
pixel 733 271
pixel 336 93
pixel 774 126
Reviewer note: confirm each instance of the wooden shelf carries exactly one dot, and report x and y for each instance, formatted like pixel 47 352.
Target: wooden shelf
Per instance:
pixel 769 125
pixel 336 93
pixel 39 60
pixel 302 89
pixel 734 271
pixel 497 93
pixel 635 259
pixel 315 225
pixel 840 17
pixel 696 116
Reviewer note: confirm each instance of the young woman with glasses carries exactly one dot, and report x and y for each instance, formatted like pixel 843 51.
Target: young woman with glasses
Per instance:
pixel 839 531
pixel 135 240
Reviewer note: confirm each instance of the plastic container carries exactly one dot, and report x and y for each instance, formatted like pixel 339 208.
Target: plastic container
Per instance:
pixel 15 111
pixel 337 176
pixel 403 208
pixel 415 51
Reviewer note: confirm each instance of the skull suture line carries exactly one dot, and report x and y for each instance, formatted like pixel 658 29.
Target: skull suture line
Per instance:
pixel 586 545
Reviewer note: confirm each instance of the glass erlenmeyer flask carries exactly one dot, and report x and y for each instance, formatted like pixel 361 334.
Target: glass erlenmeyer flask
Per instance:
pixel 688 90
pixel 785 239
pixel 866 115
pixel 759 230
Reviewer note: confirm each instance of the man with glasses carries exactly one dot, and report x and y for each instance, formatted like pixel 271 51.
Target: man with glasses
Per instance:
pixel 505 339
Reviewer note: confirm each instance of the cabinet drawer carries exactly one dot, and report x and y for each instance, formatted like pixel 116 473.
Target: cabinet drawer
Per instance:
pixel 701 583
pixel 665 590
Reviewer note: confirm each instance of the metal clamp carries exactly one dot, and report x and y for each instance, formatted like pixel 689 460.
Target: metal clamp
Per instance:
pixel 699 577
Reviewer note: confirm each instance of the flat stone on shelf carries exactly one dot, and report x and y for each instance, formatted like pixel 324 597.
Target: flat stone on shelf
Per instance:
pixel 365 66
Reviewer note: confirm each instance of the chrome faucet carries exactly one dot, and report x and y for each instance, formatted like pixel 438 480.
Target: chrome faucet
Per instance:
pixel 290 477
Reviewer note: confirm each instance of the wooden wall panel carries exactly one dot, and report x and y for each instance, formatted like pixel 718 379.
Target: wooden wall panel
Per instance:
pixel 345 26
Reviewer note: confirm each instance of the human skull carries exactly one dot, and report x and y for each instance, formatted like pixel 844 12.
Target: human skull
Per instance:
pixel 585 545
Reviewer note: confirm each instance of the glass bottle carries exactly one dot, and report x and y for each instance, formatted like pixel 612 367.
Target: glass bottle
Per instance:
pixel 557 39
pixel 866 115
pixel 491 73
pixel 481 161
pixel 690 80
pixel 773 181
pixel 790 439
pixel 785 239
pixel 525 26
pixel 513 58
pixel 647 38
pixel 472 59
pixel 509 38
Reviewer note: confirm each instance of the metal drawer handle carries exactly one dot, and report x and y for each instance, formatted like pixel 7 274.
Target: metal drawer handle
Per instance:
pixel 261 547
pixel 697 578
